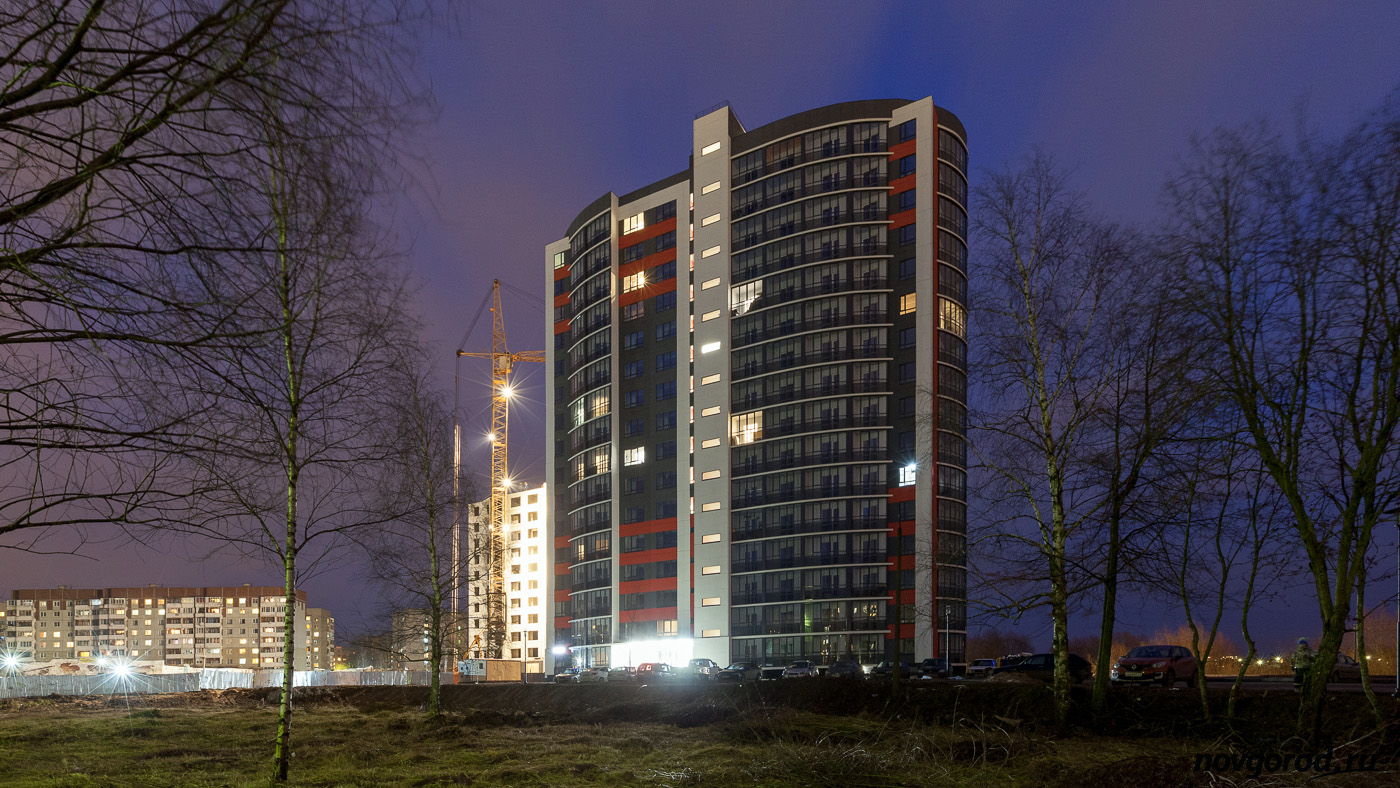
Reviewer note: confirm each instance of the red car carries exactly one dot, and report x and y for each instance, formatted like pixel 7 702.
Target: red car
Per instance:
pixel 1165 665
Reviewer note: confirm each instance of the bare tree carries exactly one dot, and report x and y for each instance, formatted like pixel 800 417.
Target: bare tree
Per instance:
pixel 1291 262
pixel 1048 273
pixel 411 556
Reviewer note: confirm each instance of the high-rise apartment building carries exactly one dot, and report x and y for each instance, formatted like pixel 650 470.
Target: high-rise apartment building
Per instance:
pixel 758 402
pixel 517 624
pixel 224 626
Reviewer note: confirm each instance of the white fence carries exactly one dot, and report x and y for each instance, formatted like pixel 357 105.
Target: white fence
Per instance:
pixel 112 684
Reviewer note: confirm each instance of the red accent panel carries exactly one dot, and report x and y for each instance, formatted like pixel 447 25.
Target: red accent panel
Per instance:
pixel 903 184
pixel 642 586
pixel 561 622
pixel 643 234
pixel 903 149
pixel 561 300
pixel 561 569
pixel 906 631
pixel 650 261
pixel 561 595
pixel 561 326
pixel 650 291
pixel 647 527
pixel 561 273
pixel 647 556
pixel 901 219
pixel 646 614
pixel 905 493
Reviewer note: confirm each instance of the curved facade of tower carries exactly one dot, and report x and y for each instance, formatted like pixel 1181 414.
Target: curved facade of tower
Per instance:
pixel 758 410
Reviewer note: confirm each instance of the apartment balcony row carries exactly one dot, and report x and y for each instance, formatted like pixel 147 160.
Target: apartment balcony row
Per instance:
pixel 749 465
pixel 795 526
pixel 870 351
pixel 878 591
pixel 810 628
pixel 826 151
pixel 747 399
pixel 745 269
pixel 747 238
pixel 750 334
pixel 801 561
pixel 782 427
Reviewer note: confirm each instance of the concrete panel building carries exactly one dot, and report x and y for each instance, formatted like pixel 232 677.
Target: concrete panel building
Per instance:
pixel 758 403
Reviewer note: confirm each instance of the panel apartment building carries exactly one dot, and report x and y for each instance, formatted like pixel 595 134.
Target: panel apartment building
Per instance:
pixel 758 403
pixel 203 627
pixel 507 606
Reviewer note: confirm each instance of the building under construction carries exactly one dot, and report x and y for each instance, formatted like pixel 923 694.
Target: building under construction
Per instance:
pixel 507 615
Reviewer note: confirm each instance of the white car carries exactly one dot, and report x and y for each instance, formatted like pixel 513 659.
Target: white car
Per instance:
pixel 981 668
pixel 801 669
pixel 592 675
pixel 704 668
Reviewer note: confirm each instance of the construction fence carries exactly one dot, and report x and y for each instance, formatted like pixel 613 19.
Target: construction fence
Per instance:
pixel 140 683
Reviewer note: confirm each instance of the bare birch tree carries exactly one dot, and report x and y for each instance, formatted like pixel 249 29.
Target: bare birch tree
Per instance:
pixel 1291 263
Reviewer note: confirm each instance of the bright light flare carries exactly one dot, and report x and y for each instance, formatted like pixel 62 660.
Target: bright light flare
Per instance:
pixel 506 391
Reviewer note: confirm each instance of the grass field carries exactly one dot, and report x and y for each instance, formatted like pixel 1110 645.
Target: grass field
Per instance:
pixel 224 739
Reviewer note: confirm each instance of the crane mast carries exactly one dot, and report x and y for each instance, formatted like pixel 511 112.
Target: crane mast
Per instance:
pixel 502 365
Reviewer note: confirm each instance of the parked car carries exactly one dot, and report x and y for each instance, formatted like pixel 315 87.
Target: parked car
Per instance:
pixel 740 671
pixel 569 676
pixel 845 669
pixel 703 668
pixel 1161 664
pixel 1345 669
pixel 1011 659
pixel 801 669
pixel 593 675
pixel 981 668
pixel 885 670
pixel 654 672
pixel 933 667
pixel 1042 666
pixel 621 674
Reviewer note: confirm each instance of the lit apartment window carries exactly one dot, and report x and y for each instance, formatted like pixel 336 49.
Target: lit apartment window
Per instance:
pixel 634 282
pixel 634 223
pixel 635 456
pixel 906 475
pixel 906 304
pixel 745 428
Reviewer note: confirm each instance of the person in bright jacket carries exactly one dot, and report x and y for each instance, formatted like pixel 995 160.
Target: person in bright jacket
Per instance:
pixel 1302 660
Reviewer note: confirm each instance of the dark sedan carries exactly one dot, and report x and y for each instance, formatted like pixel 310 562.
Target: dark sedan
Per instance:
pixel 1042 666
pixel 740 671
pixel 885 670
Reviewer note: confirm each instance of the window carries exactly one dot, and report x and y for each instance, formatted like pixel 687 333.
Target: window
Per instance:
pixel 666 480
pixel 666 330
pixel 634 484
pixel 634 514
pixel 709 601
pixel 666 270
pixel 664 241
pixel 907 269
pixel 708 379
pixel 633 398
pixel 905 201
pixel 906 475
pixel 634 427
pixel 952 317
pixel 905 131
pixel 665 509
pixel 666 421
pixel 906 443
pixel 905 166
pixel 710 538
pixel 745 428
pixel 666 301
pixel 906 304
pixel 666 360
pixel 712 506
pixel 906 337
pixel 666 450
pixel 906 235
pixel 710 347
pixel 906 372
pixel 906 406
pixel 666 390
pixel 558 261
pixel 634 311
pixel 710 570
pixel 634 282
pixel 634 369
pixel 634 223
pixel 635 456
pixel 634 340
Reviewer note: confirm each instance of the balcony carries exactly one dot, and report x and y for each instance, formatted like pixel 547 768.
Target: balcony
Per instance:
pixel 752 269
pixel 814 628
pixel 878 591
pixel 790 527
pixel 747 466
pixel 749 238
pixel 751 334
pixel 866 352
pixel 750 400
pixel 826 151
pixel 802 561
pixel 796 493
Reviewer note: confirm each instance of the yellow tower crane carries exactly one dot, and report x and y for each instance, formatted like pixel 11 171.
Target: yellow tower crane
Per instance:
pixel 503 363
